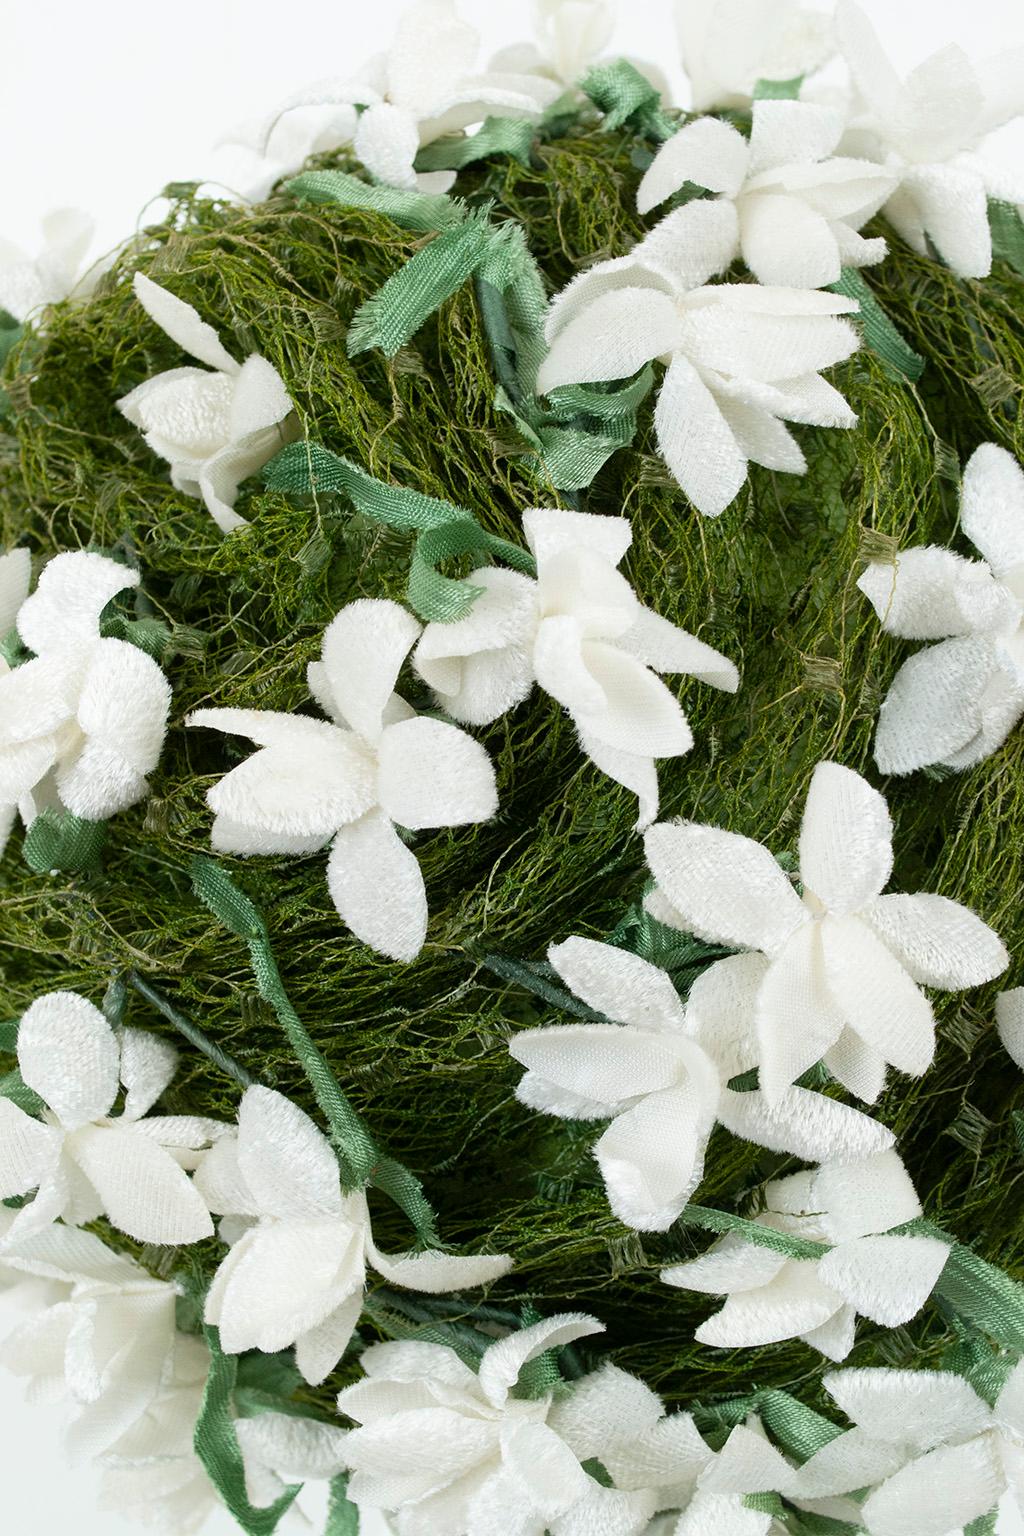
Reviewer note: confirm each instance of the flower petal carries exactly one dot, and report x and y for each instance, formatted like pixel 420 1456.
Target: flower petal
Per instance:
pixel 219 476
pixel 953 701
pixel 72 591
pixel 284 1278
pixel 784 133
pixel 876 996
pixel 182 324
pixel 307 787
pixel 618 984
pixel 27 1150
pixel 387 141
pixel 992 507
pixel 845 839
pixel 480 665
pixel 695 440
pixel 887 1279
pixel 693 243
pixel 602 1408
pixel 614 336
pixel 69 1055
pixel 951 203
pixel 144 1191
pixel 633 712
pixel 318 1349
pixel 729 1265
pixel 916 1408
pixel 796 1017
pixel 726 888
pixel 666 648
pixel 707 152
pixel 795 1302
pixel 762 333
pixel 860 1069
pixel 761 437
pixel 148 1065
pixel 376 884
pixel 15 581
pixel 940 943
pixel 720 1011
pixel 363 651
pixel 287 1163
pixel 949 1488
pixel 808 1125
pixel 433 775
pixel 503 1361
pixel 1010 1022
pixel 637 774
pixel 786 243
pixel 932 594
pixel 652 1156
pixel 436 1272
pixel 124 703
pixel 604 1063
pixel 853 1460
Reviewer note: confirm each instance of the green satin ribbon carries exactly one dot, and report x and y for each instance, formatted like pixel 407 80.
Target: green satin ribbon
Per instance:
pixel 342 1514
pixel 444 531
pixel 778 90
pixel 627 99
pixel 878 330
pixel 752 1232
pixel 1007 229
pixel 505 136
pixel 422 212
pixel 14 1087
pixel 58 842
pixel 9 1036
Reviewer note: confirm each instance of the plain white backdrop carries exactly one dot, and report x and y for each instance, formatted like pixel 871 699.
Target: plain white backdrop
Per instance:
pixel 104 102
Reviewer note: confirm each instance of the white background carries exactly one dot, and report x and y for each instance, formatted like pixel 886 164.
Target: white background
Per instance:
pixel 103 103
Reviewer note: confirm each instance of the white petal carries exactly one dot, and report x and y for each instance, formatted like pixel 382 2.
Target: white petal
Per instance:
pixel 284 1278
pixel 652 1156
pixel 792 132
pixel 376 885
pixel 729 1265
pixel 992 507
pixel 604 1063
pixel 613 337
pixel 71 593
pixel 363 651
pixel 68 1054
pixel 916 1408
pixel 860 1069
pixel 433 775
pixel 766 337
pixel 666 648
pixel 876 996
pixel 796 1016
pixel 287 1163
pixel 182 324
pixel 939 942
pixel 887 1279
pixel 308 787
pixel 869 1195
pixel 147 1066
pixel 503 1361
pixel 944 1490
pixel 221 1183
pixel 552 531
pixel 387 141
pixel 124 703
pixel 720 1011
pixel 144 1191
pixel 793 1303
pixel 602 1408
pixel 951 701
pixel 953 208
pixel 693 243
pixel 604 277
pixel 845 839
pixel 98 782
pixel 707 152
pixel 761 436
pixel 1010 1022
pixel 437 1272
pixel 809 1125
pixel 15 580
pixel 696 441
pixel 834 1338
pixel 618 984
pixel 851 1461
pixel 726 888
pixel 612 1511
pixel 259 400
pixel 219 476
pixel 318 1349
pixel 633 710
pixel 294 1447
pixel 637 774
pixel 551 1099
pixel 784 242
pixel 931 593
pixel 748 1463
pixel 27 1150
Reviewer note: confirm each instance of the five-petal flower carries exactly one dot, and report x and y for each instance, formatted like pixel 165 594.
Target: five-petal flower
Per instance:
pixel 295 1274
pixel 741 359
pixel 785 201
pixel 570 34
pixel 83 721
pixel 837 974
pixel 942 1457
pixel 213 428
pixel 349 780
pixel 578 631
pixel 659 1073
pixel 82 1161
pixel 869 1270
pixel 727 46
pixel 925 130
pixel 956 702
pixel 29 283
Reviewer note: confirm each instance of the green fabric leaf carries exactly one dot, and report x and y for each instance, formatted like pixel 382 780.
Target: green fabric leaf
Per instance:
pixel 511 136
pixel 421 212
pixel 405 1190
pixel 765 1504
pixel 216 1445
pixel 58 842
pixel 985 1525
pixel 878 330
pixel 11 332
pixel 9 1036
pixel 778 90
pixel 342 1514
pixel 1004 221
pixel 150 635
pixel 14 1087
pixel 984 1296
pixel 393 315
pixel 627 99
pixel 797 1429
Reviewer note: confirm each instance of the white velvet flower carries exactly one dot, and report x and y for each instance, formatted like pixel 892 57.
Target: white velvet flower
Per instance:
pixel 956 702
pixel 926 130
pixel 350 780
pixel 254 156
pixel 740 359
pixel 83 1161
pixel 83 721
pixel 869 1271
pixel 727 46
pixel 580 633
pixel 28 283
pixel 941 1455
pixel 836 975
pixel 107 1346
pixel 296 1275
pixel 570 36
pixel 215 427
pixel 785 201
pixel 427 86
pixel 456 1453
pixel 659 1074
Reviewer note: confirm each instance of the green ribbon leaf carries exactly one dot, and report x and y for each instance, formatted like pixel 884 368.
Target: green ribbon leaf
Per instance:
pixel 511 136
pixel 1004 221
pixel 878 330
pixel 9 1036
pixel 421 212
pixel 14 1087
pixel 627 99
pixel 150 635
pixel 58 842
pixel 216 1445
pixel 342 1514
pixel 778 90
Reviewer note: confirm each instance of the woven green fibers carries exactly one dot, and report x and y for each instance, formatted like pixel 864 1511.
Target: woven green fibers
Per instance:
pixel 421 1049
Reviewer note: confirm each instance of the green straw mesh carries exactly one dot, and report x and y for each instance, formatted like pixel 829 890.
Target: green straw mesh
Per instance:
pixel 420 1050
